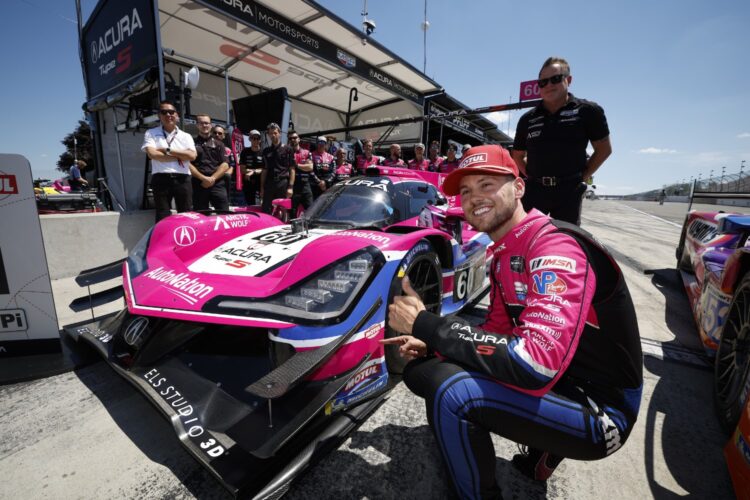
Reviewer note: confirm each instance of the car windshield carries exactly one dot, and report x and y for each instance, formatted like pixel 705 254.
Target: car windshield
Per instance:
pixel 352 206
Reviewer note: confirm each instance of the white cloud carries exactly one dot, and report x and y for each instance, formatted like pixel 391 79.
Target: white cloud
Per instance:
pixel 498 117
pixel 743 135
pixel 43 155
pixel 657 151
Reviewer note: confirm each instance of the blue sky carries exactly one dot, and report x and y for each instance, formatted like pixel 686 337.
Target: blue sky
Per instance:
pixel 672 76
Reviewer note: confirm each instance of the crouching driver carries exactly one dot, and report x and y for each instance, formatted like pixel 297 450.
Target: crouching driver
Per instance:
pixel 557 365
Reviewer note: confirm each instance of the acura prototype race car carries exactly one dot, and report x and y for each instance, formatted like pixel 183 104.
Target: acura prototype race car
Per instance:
pixel 713 256
pixel 259 340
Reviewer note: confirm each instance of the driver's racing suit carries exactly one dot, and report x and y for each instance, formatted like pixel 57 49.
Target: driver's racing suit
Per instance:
pixel 557 365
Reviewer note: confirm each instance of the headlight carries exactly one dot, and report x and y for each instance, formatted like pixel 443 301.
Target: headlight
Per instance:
pixel 325 295
pixel 137 257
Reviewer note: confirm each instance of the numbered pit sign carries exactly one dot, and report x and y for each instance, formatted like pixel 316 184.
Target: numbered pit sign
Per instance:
pixel 529 91
pixel 28 322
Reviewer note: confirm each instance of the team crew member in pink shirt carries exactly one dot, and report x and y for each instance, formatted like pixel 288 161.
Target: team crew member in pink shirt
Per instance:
pixel 451 162
pixel 367 159
pixel 434 157
pixel 557 365
pixel 419 162
pixel 394 160
pixel 343 168
pixel 323 167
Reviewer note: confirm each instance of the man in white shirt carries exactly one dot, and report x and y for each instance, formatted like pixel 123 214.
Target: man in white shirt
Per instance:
pixel 171 150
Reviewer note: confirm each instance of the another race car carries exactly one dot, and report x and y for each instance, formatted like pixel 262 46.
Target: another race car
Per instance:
pixel 713 256
pixel 259 340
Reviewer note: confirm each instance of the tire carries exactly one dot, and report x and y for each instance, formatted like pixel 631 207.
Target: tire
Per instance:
pixel 732 362
pixel 422 265
pixel 683 258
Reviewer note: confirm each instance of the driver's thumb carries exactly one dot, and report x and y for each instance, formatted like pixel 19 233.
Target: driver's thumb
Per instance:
pixel 406 287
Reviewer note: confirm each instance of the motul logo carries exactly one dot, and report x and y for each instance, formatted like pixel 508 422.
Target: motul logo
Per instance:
pixel 8 184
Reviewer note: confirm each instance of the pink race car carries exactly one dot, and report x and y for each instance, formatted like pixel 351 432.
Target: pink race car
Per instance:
pixel 259 340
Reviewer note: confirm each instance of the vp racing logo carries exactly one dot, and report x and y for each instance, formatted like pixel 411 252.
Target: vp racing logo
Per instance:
pixel 135 332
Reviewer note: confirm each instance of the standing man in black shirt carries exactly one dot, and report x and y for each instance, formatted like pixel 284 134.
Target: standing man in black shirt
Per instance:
pixel 277 177
pixel 208 169
pixel 251 163
pixel 550 145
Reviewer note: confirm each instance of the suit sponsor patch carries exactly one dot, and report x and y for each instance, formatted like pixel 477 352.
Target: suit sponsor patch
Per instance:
pixel 549 283
pixel 552 262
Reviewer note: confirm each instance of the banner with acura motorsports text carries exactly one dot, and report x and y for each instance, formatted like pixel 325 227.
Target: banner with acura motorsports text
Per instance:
pixel 119 43
pixel 277 26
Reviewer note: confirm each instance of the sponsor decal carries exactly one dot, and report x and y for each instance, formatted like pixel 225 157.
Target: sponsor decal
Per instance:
pixel 373 330
pixel 98 334
pixel 123 29
pixel 552 262
pixel 188 215
pixel 13 320
pixel 382 184
pixel 543 328
pixel 284 237
pixel 570 112
pixel 383 240
pixel 610 431
pixel 246 254
pixel 742 446
pixel 702 231
pixel 548 283
pixel 523 229
pixel 521 290
pixel 188 289
pixel 551 318
pixel 185 412
pixel 230 221
pixel 184 236
pixel 8 184
pixel 345 59
pixel 475 158
pixel 135 332
pixel 535 133
pixel 538 339
pixel 517 263
pixel 420 247
pixel 362 376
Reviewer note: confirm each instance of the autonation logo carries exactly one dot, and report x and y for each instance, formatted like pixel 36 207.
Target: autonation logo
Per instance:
pixel 180 284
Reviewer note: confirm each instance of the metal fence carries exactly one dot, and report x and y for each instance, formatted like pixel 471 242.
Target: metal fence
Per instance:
pixel 727 183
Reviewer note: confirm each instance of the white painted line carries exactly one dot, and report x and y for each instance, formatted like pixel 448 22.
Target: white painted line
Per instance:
pixel 651 215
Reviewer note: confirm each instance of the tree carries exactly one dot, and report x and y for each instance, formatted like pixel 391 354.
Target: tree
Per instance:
pixel 84 147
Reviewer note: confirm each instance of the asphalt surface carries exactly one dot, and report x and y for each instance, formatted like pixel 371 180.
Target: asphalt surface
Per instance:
pixel 88 434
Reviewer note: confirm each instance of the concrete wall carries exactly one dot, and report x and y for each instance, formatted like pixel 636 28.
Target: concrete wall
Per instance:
pixel 74 242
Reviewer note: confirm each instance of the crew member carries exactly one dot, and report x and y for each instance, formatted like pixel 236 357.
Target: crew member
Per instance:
pixel 419 162
pixel 434 158
pixel 76 181
pixel 343 168
pixel 251 164
pixel 171 150
pixel 323 167
pixel 209 183
pixel 550 145
pixel 277 178
pixel 367 159
pixel 394 159
pixel 451 162
pixel 556 366
pixel 304 177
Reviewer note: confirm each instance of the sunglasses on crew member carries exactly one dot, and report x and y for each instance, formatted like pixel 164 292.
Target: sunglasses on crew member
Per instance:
pixel 219 134
pixel 555 79
pixel 167 111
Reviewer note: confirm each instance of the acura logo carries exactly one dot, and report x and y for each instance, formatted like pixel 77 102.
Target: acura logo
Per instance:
pixel 184 236
pixel 136 329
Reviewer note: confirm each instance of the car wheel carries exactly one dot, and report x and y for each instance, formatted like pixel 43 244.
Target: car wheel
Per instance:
pixel 422 266
pixel 683 258
pixel 732 362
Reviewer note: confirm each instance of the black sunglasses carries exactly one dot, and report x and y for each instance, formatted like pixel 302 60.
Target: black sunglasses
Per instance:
pixel 555 79
pixel 219 133
pixel 167 111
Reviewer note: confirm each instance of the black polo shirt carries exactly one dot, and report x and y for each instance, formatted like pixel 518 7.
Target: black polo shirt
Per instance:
pixel 253 160
pixel 279 162
pixel 211 154
pixel 555 143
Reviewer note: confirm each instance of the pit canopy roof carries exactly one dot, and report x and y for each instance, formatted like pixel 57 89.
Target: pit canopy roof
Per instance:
pixel 296 44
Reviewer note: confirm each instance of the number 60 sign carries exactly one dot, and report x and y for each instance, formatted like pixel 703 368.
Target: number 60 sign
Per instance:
pixel 529 90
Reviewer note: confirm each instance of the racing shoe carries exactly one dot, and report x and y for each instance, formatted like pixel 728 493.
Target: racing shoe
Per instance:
pixel 536 464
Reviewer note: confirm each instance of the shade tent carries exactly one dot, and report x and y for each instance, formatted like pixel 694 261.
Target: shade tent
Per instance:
pixel 135 52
